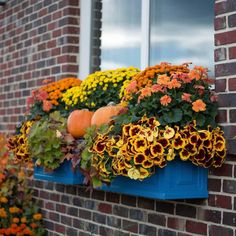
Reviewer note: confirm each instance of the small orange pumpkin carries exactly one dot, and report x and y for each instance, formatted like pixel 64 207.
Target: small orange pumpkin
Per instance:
pixel 103 115
pixel 78 121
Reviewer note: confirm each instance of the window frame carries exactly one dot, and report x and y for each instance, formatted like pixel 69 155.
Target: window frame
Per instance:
pixel 85 54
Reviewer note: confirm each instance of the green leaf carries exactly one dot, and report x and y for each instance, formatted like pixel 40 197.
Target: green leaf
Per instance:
pixel 86 155
pixel 96 182
pixel 200 120
pixel 173 116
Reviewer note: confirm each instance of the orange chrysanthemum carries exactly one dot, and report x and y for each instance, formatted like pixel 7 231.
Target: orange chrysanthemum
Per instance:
pixel 37 216
pixel 198 105
pixel 165 100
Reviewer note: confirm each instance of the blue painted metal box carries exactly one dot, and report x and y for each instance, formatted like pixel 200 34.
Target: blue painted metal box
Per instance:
pixel 178 180
pixel 63 174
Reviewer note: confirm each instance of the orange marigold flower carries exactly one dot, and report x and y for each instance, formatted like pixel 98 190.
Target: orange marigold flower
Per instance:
pixel 3 213
pixel 14 210
pixel 15 220
pixel 37 216
pixel 186 97
pixel 165 100
pixel 33 225
pixel 14 225
pixel 3 200
pixel 23 220
pixel 198 105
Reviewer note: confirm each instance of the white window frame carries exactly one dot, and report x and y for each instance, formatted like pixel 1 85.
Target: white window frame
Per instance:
pixel 86 35
pixel 85 38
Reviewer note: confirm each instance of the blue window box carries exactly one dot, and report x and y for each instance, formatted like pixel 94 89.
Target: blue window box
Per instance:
pixel 178 180
pixel 63 174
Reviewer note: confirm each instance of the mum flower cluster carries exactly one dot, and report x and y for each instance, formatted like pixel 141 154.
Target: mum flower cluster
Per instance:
pixel 143 145
pixel 48 97
pixel 174 94
pixel 99 88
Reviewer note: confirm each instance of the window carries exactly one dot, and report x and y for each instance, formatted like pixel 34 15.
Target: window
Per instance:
pixel 121 33
pixel 145 32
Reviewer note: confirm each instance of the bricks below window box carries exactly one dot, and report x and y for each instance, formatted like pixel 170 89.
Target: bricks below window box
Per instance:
pixel 178 180
pixel 64 174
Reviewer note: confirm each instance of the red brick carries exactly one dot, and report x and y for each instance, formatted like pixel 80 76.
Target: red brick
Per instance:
pixel 54 216
pixel 220 54
pixel 209 215
pixel 220 85
pixel 70 68
pixel 49 206
pixel 106 208
pixel 61 208
pixel 176 223
pixel 130 226
pixel 229 218
pixel 157 219
pixel 57 15
pixel 229 131
pixel 51 44
pixel 232 116
pixel 225 6
pixel 71 11
pixel 220 201
pixel 196 227
pixel 71 30
pixel 232 84
pixel 60 228
pixel 225 38
pixel 52 26
pixel 227 100
pixel 216 230
pixel 232 53
pixel 225 170
pixel 56 33
pixel 221 116
pixel 232 20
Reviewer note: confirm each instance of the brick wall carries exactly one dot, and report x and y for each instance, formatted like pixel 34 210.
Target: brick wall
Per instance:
pixel 225 59
pixel 39 39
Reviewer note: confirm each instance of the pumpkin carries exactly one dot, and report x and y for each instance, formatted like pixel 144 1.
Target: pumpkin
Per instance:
pixel 103 115
pixel 78 121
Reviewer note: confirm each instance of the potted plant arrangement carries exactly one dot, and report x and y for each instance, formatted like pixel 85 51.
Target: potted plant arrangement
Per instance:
pixel 163 140
pixel 156 139
pixel 43 137
pixel 51 140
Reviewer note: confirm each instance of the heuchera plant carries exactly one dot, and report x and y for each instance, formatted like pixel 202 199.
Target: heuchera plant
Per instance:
pixel 49 144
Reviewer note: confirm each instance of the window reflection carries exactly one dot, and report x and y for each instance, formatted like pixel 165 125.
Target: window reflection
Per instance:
pixel 182 30
pixel 121 33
